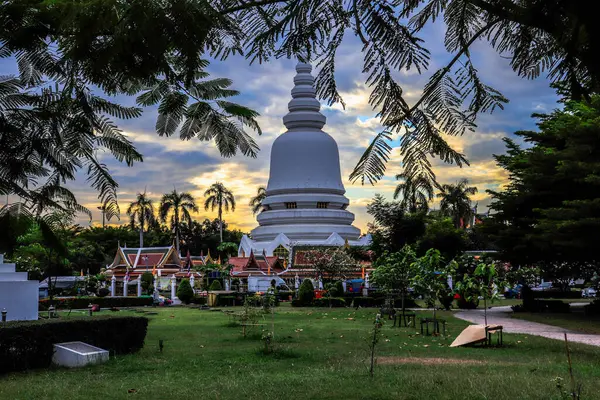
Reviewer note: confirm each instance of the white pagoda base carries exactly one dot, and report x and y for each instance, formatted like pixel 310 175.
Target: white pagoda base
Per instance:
pixel 18 296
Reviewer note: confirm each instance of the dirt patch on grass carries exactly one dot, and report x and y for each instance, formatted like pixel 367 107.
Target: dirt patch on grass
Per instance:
pixel 427 361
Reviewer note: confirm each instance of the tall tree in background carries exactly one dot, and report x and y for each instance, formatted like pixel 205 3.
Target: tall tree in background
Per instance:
pixel 256 201
pixel 549 213
pixel 179 206
pixel 219 197
pixel 416 193
pixel 392 228
pixel 141 211
pixel 456 203
pixel 157 47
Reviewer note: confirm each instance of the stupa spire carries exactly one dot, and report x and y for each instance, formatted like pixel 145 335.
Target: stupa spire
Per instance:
pixel 304 107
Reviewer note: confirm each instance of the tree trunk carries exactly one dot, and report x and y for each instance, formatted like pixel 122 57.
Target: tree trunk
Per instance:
pixel 177 231
pixel 220 223
pixel 485 309
pixel 142 233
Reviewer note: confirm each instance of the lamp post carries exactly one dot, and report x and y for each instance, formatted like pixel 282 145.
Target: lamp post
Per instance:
pixel 4 312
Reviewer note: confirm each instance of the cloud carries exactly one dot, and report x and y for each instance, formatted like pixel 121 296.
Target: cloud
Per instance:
pixel 194 165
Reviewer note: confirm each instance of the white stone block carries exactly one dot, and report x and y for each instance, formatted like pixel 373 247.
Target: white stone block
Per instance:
pixel 20 298
pixel 13 276
pixel 7 268
pixel 78 354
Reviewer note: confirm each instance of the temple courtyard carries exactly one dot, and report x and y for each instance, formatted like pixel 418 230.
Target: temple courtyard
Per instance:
pixel 318 353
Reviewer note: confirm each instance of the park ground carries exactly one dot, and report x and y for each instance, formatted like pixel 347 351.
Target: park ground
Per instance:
pixel 319 354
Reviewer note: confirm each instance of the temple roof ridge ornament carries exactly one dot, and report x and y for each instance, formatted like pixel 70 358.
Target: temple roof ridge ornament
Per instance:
pixel 304 108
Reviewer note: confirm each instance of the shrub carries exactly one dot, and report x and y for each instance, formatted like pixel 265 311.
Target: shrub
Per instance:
pixel 185 292
pixel 335 302
pixel 593 308
pixel 464 304
pixel 198 300
pixel 340 288
pixel 557 294
pixel 27 345
pixel 147 282
pixel 409 302
pixel 215 285
pixel 297 303
pixel 349 300
pixel 365 302
pixel 446 301
pixel 306 292
pixel 103 302
pixel 284 294
pixel 223 300
pixel 103 292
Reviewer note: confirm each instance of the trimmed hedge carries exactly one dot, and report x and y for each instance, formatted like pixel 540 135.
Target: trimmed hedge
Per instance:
pixel 593 308
pixel 335 302
pixel 553 306
pixel 365 302
pixel 103 302
pixel 198 300
pixel 29 344
pixel 556 294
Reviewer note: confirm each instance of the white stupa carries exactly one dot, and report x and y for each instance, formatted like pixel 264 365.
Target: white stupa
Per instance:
pixel 305 203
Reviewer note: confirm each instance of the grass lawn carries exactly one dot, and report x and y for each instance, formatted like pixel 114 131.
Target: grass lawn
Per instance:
pixel 205 358
pixel 576 320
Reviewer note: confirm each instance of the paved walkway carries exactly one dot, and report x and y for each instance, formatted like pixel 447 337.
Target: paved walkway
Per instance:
pixel 498 315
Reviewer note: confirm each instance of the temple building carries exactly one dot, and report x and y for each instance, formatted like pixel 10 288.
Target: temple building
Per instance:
pixel 305 203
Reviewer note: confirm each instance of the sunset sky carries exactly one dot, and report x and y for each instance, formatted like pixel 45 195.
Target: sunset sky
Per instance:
pixel 193 165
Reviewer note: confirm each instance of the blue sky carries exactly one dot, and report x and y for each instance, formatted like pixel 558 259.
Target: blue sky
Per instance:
pixel 194 165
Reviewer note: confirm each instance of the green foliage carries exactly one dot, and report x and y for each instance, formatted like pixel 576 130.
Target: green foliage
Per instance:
pixel 215 285
pixel 392 228
pixel 103 292
pixel 219 197
pixel 548 214
pixel 431 273
pixel 29 345
pixel 339 287
pixel 456 203
pixel 394 271
pixel 331 263
pixel 416 193
pixel 330 302
pixel 441 234
pixel 185 292
pixel 306 293
pixel 82 302
pixel 147 282
pixel 256 201
pixel 179 206
pixel 482 282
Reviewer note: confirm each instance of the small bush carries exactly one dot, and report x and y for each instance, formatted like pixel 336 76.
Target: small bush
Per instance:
pixel 367 302
pixel 103 292
pixel 147 282
pixel 593 308
pixel 464 304
pixel 554 306
pixel 215 285
pixel 557 294
pixel 198 300
pixel 28 345
pixel 297 303
pixel 335 302
pixel 446 301
pixel 306 292
pixel 223 300
pixel 104 302
pixel 340 288
pixel 185 292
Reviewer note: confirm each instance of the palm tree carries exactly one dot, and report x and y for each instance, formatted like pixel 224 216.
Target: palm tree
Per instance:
pixel 455 201
pixel 416 193
pixel 256 201
pixel 179 206
pixel 218 196
pixel 142 212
